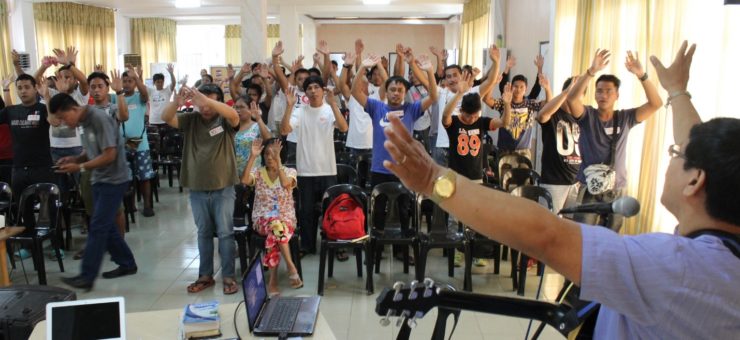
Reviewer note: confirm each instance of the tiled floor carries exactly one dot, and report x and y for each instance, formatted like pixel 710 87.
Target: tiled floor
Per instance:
pixel 166 252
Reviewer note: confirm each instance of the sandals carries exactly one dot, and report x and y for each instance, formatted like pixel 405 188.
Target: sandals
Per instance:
pixel 295 281
pixel 230 287
pixel 201 284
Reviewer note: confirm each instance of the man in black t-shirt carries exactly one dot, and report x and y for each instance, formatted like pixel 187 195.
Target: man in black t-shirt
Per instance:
pixel 561 157
pixel 29 129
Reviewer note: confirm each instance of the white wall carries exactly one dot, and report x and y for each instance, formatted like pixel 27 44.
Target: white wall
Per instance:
pixel 23 29
pixel 123 37
pixel 527 23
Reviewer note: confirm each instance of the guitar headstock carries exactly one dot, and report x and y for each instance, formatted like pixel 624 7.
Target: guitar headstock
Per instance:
pixel 407 302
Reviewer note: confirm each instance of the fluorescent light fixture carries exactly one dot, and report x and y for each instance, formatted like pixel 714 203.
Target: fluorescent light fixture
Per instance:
pixel 187 3
pixel 376 2
pixel 270 17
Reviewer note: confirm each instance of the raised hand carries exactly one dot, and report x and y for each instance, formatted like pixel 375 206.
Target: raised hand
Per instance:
pixel 632 63
pixel 676 76
pixel 400 50
pixel 384 62
pixel 198 98
pixel 99 68
pixel 16 57
pixel 408 53
pixel 510 62
pixel 349 58
pixel 116 83
pixel 262 71
pixel 276 149
pixel 316 58
pixel 291 96
pixel 424 62
pixel 370 61
pixel 64 85
pixel 476 72
pixel 47 61
pixel 435 51
pixel 323 47
pixel 42 87
pixel 61 56
pixel 329 95
pixel 465 84
pixel 230 72
pixel 278 49
pixel 359 47
pixel 297 64
pixel 572 83
pixel 72 54
pixel 544 82
pixel 182 96
pixel 171 68
pixel 255 112
pixel 539 61
pixel 246 68
pixel 256 148
pixel 131 71
pixel 494 53
pixel 6 82
pixel 508 94
pixel 601 59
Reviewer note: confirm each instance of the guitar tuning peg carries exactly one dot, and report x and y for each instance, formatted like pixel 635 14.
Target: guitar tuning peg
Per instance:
pixel 385 321
pixel 414 283
pixel 412 293
pixel 411 322
pixel 402 318
pixel 398 285
pixel 428 282
pixel 397 296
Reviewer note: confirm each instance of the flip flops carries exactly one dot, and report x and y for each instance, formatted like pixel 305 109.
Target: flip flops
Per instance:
pixel 201 284
pixel 230 286
pixel 295 281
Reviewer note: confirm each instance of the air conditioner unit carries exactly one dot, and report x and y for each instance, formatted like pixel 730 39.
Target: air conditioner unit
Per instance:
pixel 132 59
pixel 25 60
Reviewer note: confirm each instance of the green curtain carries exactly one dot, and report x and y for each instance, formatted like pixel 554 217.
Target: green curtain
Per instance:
pixel 155 40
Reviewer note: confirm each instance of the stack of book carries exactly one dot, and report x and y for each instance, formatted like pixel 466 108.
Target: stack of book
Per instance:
pixel 201 320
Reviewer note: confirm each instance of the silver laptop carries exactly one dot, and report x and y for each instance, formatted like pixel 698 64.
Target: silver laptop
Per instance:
pixel 277 316
pixel 86 319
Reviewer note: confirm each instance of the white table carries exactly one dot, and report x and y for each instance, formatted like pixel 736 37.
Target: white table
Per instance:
pixel 165 324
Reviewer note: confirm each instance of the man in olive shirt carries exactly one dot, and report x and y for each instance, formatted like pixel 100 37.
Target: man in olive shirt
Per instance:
pixel 209 170
pixel 105 158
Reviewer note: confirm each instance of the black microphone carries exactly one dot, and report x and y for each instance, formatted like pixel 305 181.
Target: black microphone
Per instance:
pixel 626 206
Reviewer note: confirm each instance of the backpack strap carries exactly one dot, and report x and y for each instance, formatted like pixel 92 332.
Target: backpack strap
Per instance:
pixel 730 240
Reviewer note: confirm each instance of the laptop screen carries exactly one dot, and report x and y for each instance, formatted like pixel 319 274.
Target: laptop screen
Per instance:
pixel 86 321
pixel 255 291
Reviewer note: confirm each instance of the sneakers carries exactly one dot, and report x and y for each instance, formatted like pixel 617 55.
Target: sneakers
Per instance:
pixel 78 282
pixel 120 271
pixel 480 262
pixel 459 258
pixel 51 255
pixel 22 254
pixel 148 212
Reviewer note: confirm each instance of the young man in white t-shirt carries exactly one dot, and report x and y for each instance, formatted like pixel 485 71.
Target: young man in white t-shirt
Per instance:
pixel 313 125
pixel 298 76
pixel 159 96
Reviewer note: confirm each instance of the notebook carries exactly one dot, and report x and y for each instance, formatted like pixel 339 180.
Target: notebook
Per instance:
pixel 277 316
pixel 103 318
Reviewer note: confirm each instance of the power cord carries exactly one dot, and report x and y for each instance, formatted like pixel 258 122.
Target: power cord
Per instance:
pixel 236 329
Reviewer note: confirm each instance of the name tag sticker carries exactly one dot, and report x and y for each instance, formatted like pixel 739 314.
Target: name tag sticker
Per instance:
pixel 216 130
pixel 34 118
pixel 132 107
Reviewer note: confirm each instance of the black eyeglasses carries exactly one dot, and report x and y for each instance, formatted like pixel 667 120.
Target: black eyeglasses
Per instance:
pixel 675 151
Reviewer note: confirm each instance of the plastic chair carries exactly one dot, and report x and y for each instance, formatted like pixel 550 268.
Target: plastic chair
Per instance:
pixel 242 221
pixel 479 241
pixel 363 163
pixel 517 177
pixel 45 225
pixel 438 236
pixel 6 199
pixel 328 245
pixel 171 154
pixel 543 197
pixel 512 161
pixel 346 174
pixel 390 231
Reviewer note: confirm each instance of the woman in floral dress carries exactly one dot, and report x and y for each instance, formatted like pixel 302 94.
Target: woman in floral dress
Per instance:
pixel 274 212
pixel 251 127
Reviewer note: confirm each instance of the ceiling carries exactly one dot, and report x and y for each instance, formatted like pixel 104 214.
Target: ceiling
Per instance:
pixel 227 11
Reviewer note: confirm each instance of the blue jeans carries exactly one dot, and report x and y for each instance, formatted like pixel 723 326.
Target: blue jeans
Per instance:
pixel 213 212
pixel 103 232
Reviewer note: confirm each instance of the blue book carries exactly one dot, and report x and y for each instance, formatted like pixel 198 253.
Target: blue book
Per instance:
pixel 201 320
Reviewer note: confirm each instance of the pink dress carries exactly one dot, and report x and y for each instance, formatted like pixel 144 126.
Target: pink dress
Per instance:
pixel 273 213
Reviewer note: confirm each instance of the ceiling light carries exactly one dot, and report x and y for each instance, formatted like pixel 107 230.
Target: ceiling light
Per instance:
pixel 376 2
pixel 187 3
pixel 271 17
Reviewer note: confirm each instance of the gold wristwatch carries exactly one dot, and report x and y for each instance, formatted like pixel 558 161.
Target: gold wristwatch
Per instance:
pixel 444 186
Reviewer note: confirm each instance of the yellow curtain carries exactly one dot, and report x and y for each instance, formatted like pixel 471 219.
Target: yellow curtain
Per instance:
pixel 273 36
pixel 474 32
pixel 154 39
pixel 90 29
pixel 6 66
pixel 233 37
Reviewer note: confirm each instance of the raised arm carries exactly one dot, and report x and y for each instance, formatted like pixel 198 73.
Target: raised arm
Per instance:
pixel 545 84
pixel 17 63
pixel 279 75
pixel 632 62
pixel 359 48
pixel 539 62
pixel 225 111
pixel 171 71
pixel 383 78
pixel 69 57
pixel 290 99
pixel 323 49
pixel 487 86
pixel 256 113
pixel 552 106
pixel 431 84
pixel 510 63
pixel 674 80
pixel 236 82
pixel 339 122
pixel 256 150
pixel 266 86
pixel 575 99
pixel 398 68
pixel 517 222
pixel 349 59
pixel 133 72
pixel 506 98
pixel 116 84
pixel 6 91
pixel 169 114
pixel 361 79
pixel 418 72
pixel 463 87
pixel 441 58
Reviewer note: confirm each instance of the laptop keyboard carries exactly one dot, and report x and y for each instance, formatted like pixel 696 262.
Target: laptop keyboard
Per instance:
pixel 283 315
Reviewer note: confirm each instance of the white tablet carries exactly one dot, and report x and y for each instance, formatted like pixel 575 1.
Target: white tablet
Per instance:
pixel 103 318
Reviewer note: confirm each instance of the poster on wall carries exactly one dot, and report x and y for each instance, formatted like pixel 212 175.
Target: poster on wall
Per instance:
pixel 220 77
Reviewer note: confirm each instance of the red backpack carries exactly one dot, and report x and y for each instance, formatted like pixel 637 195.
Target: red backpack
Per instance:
pixel 344 219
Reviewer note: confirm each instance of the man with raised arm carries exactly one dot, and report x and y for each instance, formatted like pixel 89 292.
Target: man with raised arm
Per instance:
pixel 298 76
pixel 209 145
pixel 650 286
pixel 159 96
pixel 598 123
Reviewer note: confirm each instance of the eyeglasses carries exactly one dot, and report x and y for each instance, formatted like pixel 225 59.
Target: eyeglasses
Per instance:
pixel 675 151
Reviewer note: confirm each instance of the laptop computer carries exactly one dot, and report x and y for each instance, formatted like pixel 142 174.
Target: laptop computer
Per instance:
pixel 276 316
pixel 103 318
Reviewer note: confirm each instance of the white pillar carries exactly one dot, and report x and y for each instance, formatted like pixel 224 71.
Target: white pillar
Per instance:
pixel 452 33
pixel 309 37
pixel 254 30
pixel 123 38
pixel 289 34
pixel 23 31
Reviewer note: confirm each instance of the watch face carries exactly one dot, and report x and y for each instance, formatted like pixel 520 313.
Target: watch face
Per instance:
pixel 444 188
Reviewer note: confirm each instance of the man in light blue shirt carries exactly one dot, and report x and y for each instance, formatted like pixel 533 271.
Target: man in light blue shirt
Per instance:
pixel 650 286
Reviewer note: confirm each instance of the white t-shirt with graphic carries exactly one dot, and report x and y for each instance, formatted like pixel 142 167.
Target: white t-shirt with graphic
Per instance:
pixel 158 100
